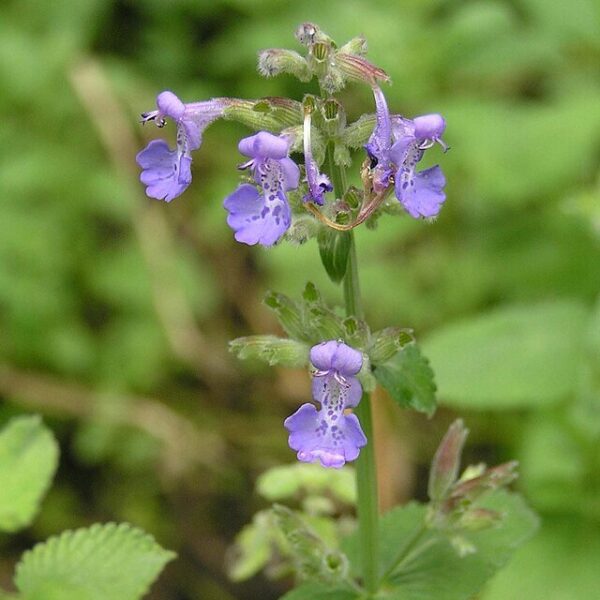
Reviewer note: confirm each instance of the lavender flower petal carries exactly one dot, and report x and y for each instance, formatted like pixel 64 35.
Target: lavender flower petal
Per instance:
pixel 337 356
pixel 263 145
pixel 256 218
pixel 424 195
pixel 165 172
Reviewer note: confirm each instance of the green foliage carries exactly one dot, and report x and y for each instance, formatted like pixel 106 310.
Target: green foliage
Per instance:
pixel 312 321
pixel 103 562
pixel 28 461
pixel 287 481
pixel 317 591
pixel 560 562
pixel 513 357
pixel 419 563
pixel 262 544
pixel 435 569
pixel 253 547
pixel 409 379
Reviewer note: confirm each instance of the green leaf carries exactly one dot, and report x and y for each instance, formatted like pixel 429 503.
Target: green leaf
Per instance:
pixel 316 591
pixel 517 356
pixel 409 379
pixel 432 568
pixel 310 320
pixel 283 482
pixel 560 563
pixel 271 349
pixel 334 247
pixel 102 562
pixel 28 461
pixel 398 528
pixel 252 548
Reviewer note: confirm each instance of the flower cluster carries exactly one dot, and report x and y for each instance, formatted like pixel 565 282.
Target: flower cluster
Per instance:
pixel 395 148
pixel 264 205
pixel 260 213
pixel 328 434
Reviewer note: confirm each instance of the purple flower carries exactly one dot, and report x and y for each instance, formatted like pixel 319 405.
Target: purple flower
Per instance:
pixel 421 193
pixel 262 218
pixel 328 435
pixel 395 147
pixel 165 172
pixel 318 183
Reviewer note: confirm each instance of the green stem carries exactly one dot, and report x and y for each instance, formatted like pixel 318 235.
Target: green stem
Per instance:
pixel 366 474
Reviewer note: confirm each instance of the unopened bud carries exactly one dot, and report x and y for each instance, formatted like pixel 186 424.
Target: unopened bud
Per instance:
pixel 357 68
pixel 387 342
pixel 491 479
pixel 446 462
pixel 271 350
pixel 272 114
pixel 353 197
pixel 477 519
pixel 275 61
pixel 357 45
pixel 288 314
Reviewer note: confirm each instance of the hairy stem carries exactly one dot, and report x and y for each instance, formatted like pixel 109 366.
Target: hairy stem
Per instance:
pixel 366 474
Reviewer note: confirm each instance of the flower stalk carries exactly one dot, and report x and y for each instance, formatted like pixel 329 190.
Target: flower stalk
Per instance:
pixel 366 473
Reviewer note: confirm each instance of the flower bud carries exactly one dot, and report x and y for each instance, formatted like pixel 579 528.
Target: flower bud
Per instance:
pixel 288 314
pixel 267 114
pixel 387 342
pixel 357 45
pixel 477 519
pixel 446 462
pixel 274 61
pixel 469 490
pixel 357 68
pixel 271 349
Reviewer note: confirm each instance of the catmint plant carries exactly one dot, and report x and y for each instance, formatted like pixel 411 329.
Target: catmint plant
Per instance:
pixel 293 186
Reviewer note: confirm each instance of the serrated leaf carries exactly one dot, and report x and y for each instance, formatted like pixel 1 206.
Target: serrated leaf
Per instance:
pixel 433 568
pixel 517 356
pixel 309 320
pixel 28 461
pixel 409 380
pixel 102 562
pixel 334 247
pixel 315 591
pixel 423 564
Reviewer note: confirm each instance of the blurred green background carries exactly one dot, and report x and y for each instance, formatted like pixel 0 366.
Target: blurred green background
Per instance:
pixel 115 310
